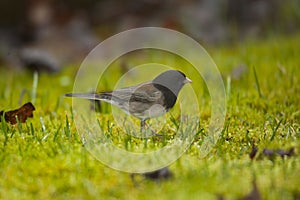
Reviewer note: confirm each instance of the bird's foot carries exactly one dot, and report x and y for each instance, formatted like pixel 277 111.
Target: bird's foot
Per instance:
pixel 147 131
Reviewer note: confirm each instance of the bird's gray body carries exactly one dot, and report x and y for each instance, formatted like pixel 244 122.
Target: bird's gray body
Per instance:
pixel 135 100
pixel 147 100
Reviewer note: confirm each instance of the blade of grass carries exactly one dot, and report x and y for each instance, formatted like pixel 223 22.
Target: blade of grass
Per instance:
pixel 19 125
pixel 31 129
pixel 57 132
pixel 228 87
pixel 67 128
pixel 34 86
pixel 275 130
pixel 4 129
pixel 257 84
pixel 43 125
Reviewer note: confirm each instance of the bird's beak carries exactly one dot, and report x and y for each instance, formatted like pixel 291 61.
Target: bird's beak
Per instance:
pixel 187 80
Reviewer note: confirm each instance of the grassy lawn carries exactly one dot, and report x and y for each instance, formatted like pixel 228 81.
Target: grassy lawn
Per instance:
pixel 44 158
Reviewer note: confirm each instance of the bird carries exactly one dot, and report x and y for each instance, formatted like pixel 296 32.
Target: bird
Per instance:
pixel 146 100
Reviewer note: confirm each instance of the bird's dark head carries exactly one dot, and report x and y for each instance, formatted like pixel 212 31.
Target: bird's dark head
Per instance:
pixel 174 80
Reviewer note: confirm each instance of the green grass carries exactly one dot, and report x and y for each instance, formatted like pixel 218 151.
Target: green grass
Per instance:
pixel 44 157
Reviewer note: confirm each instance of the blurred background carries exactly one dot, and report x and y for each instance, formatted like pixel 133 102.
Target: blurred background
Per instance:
pixel 46 35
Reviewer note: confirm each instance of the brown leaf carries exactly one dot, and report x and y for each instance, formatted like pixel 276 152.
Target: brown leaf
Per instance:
pixel 288 153
pixel 159 174
pixel 270 153
pixel 22 113
pixel 253 152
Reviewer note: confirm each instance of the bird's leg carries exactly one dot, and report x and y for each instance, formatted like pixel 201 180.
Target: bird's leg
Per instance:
pixel 143 123
pixel 143 126
pixel 143 130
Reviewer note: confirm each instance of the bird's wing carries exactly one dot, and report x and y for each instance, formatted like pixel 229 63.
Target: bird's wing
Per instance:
pixel 145 93
pixel 141 94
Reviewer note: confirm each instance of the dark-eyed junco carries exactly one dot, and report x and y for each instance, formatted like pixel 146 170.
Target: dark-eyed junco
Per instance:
pixel 147 100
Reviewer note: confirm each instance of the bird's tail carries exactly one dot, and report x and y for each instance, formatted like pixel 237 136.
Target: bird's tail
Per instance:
pixel 105 96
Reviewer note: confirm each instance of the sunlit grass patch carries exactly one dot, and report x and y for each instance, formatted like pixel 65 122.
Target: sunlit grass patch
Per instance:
pixel 45 157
